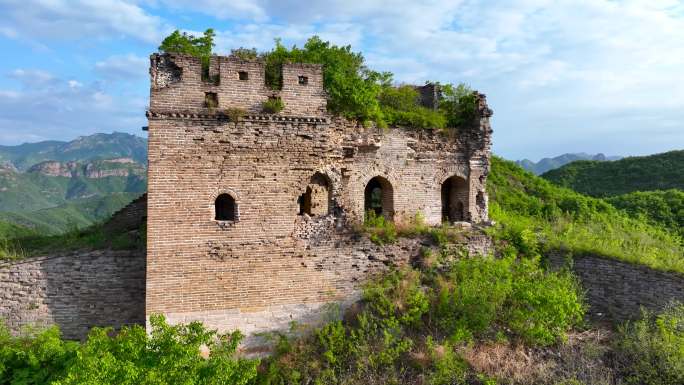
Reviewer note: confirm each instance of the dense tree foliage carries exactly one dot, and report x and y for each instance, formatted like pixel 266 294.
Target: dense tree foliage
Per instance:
pixel 167 355
pixel 602 179
pixel 200 47
pixel 185 43
pixel 665 208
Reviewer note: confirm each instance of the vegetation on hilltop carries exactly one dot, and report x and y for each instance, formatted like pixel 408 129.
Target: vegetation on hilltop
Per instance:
pixel 528 207
pixel 354 90
pixel 75 214
pixel 603 179
pixel 663 208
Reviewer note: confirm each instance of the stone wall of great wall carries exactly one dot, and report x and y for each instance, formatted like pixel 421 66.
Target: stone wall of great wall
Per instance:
pixel 617 290
pixel 75 291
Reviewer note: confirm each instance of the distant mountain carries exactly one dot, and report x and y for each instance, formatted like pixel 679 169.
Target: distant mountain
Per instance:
pixel 82 149
pixel 602 179
pixel 53 186
pixel 547 164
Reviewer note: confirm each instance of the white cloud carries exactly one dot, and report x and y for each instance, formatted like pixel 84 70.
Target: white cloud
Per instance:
pixel 84 19
pixel 48 107
pixel 124 67
pixel 558 73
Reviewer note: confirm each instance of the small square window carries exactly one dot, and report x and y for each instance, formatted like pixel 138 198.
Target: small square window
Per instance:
pixel 242 75
pixel 210 100
pixel 303 80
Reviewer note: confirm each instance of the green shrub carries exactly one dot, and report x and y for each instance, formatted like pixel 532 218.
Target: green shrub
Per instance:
pixel 479 296
pixel 471 295
pixel 542 305
pixel 170 354
pixel 448 367
pixel 458 104
pixel 35 357
pixel 235 114
pixel 380 229
pixel 651 350
pixel 273 105
pixel 400 106
pixel 200 47
pixel 664 208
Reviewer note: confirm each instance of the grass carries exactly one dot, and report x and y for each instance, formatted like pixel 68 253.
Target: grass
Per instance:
pixel 91 238
pixel 524 205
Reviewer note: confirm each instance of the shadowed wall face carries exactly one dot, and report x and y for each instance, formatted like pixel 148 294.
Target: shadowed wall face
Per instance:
pixel 75 291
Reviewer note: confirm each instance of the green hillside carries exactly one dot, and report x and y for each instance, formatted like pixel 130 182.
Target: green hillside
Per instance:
pixel 78 213
pixel 527 208
pixel 97 146
pixel 28 192
pixel 665 208
pixel 644 173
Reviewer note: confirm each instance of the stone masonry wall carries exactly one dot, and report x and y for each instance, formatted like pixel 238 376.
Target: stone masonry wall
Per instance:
pixel 270 263
pixel 177 84
pixel 130 217
pixel 75 291
pixel 617 290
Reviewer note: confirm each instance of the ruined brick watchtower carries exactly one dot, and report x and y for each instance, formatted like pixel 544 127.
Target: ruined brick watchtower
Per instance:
pixel 250 220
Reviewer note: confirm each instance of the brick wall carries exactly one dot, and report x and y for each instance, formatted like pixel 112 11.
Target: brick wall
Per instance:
pixel 177 84
pixel 617 290
pixel 130 217
pixel 75 291
pixel 270 257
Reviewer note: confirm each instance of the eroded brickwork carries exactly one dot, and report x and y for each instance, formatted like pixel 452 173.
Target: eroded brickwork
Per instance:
pixel 285 253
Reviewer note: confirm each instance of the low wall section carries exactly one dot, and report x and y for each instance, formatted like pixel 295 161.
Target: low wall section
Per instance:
pixel 617 290
pixel 75 291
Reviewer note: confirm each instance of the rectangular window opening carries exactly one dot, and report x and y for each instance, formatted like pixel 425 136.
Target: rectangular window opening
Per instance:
pixel 303 80
pixel 210 100
pixel 243 75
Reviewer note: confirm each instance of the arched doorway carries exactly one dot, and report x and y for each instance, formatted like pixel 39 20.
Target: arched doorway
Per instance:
pixel 379 197
pixel 454 200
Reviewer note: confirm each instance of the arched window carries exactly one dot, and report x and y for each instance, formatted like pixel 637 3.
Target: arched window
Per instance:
pixel 225 208
pixel 454 199
pixel 379 197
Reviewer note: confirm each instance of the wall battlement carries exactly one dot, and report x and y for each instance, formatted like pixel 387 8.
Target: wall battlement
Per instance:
pixel 178 83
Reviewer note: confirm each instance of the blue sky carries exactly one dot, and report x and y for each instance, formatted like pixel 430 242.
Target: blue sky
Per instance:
pixel 561 76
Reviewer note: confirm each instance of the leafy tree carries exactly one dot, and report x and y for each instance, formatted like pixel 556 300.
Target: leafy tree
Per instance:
pixel 352 87
pixel 458 104
pixel 199 47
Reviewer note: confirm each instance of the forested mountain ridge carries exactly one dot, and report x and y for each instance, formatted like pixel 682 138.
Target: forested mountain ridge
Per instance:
pixel 53 186
pixel 547 164
pixel 602 179
pixel 84 148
